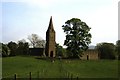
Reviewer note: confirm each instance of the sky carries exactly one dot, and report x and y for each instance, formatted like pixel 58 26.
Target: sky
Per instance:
pixel 20 18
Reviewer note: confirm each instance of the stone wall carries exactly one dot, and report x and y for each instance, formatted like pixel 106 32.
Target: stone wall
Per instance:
pixel 91 53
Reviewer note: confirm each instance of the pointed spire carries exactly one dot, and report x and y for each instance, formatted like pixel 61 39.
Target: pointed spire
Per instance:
pixel 51 23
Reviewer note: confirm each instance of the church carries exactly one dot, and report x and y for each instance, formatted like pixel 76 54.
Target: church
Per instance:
pixel 90 54
pixel 50 40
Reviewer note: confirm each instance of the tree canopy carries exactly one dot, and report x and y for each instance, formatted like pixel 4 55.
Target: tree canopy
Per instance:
pixel 78 37
pixel 23 47
pixel 60 51
pixel 13 48
pixel 5 50
pixel 106 50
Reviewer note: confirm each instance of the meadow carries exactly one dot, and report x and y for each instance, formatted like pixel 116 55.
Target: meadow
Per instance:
pixel 44 68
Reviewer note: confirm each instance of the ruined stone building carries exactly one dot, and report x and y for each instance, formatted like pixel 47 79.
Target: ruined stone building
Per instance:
pixel 50 40
pixel 90 54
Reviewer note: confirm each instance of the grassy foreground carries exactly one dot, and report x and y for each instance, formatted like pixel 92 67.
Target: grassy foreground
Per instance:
pixel 59 69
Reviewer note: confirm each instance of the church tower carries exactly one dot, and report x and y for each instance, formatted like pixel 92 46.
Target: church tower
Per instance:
pixel 50 40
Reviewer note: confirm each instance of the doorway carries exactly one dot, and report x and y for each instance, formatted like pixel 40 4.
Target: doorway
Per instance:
pixel 51 54
pixel 87 57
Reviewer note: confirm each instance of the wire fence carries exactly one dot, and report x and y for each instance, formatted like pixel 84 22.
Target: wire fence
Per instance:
pixel 61 73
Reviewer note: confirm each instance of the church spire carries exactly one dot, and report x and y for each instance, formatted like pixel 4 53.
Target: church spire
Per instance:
pixel 50 40
pixel 51 24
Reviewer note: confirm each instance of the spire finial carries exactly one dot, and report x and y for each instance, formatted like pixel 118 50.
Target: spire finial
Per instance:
pixel 51 23
pixel 51 17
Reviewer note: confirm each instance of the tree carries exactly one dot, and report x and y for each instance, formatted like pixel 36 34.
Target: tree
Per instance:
pixel 40 43
pixel 36 41
pixel 20 48
pixel 77 37
pixel 60 51
pixel 118 48
pixel 0 49
pixel 23 47
pixel 13 48
pixel 106 50
pixel 26 48
pixel 5 50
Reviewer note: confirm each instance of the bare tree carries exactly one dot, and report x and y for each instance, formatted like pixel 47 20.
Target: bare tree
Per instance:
pixel 40 43
pixel 36 41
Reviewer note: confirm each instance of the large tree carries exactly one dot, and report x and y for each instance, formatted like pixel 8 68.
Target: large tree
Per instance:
pixel 78 37
pixel 106 50
pixel 36 41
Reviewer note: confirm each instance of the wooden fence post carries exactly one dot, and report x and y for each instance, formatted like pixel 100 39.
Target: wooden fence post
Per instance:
pixel 30 75
pixel 77 77
pixel 68 75
pixel 38 74
pixel 71 76
pixel 15 76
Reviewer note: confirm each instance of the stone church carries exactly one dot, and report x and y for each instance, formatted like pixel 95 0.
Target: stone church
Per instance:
pixel 90 54
pixel 50 40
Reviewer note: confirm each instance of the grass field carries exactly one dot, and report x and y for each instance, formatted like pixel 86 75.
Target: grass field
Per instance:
pixel 64 68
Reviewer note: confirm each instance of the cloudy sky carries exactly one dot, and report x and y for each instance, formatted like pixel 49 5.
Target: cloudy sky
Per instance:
pixel 21 18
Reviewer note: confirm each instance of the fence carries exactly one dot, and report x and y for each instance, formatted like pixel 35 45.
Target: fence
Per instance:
pixel 62 73
pixel 68 76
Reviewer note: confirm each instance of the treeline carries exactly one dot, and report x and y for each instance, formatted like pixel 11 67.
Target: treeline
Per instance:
pixel 13 49
pixel 22 48
pixel 109 50
pixel 106 50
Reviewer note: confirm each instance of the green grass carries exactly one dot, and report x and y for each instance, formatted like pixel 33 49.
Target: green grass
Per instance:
pixel 81 68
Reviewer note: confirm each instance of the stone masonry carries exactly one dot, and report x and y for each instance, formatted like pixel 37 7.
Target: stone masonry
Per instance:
pixel 50 40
